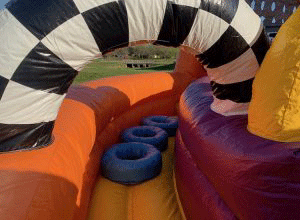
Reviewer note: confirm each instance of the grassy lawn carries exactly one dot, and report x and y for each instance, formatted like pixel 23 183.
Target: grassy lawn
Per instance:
pixel 101 68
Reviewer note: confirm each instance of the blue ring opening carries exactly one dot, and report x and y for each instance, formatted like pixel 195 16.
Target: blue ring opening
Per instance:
pixel 160 119
pixel 131 153
pixel 144 132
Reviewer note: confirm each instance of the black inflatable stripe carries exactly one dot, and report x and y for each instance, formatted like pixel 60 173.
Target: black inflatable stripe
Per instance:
pixel 43 70
pixel 230 46
pixel 240 92
pixel 109 25
pixel 41 17
pixel 177 23
pixel 261 46
pixel 223 9
pixel 16 137
pixel 3 84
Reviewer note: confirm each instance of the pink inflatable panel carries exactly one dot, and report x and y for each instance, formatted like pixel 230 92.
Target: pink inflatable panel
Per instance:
pixel 224 172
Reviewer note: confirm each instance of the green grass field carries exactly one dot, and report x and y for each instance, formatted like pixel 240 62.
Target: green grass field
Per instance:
pixel 102 68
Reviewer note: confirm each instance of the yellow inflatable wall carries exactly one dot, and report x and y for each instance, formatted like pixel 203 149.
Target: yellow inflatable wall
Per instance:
pixel 274 111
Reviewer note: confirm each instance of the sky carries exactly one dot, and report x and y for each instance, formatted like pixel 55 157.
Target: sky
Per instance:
pixel 2 3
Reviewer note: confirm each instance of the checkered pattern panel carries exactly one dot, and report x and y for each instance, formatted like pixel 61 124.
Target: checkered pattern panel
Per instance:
pixel 109 25
pixel 45 43
pixel 246 60
pixel 16 42
pixel 237 92
pixel 149 27
pixel 42 17
pixel 83 47
pixel 226 10
pixel 260 46
pixel 225 49
pixel 3 84
pixel 239 41
pixel 179 19
pixel 43 70
pixel 21 104
pixel 28 136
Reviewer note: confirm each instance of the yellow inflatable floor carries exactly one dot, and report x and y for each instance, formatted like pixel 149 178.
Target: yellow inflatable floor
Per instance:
pixel 154 199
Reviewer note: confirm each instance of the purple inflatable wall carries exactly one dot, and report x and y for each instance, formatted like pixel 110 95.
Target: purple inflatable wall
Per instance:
pixel 224 172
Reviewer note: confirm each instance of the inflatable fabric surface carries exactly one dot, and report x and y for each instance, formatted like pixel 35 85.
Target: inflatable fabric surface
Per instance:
pixel 153 199
pixel 275 107
pixel 196 193
pixel 225 172
pixel 44 44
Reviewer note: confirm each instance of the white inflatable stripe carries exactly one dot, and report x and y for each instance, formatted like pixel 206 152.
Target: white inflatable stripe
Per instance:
pixel 250 27
pixel 261 29
pixel 85 5
pixel 206 30
pixel 145 26
pixel 228 108
pixel 4 18
pixel 241 69
pixel 23 105
pixel 16 43
pixel 73 42
pixel 190 3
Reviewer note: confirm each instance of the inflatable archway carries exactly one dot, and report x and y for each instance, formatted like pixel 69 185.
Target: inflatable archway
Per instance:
pixel 45 44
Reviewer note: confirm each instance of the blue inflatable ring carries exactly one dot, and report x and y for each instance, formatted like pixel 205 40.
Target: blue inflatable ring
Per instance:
pixel 147 134
pixel 131 163
pixel 168 123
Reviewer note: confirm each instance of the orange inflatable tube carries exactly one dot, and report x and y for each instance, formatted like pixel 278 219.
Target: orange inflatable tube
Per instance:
pixel 56 182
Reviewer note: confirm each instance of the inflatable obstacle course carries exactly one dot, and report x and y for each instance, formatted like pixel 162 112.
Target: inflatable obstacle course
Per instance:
pixel 52 136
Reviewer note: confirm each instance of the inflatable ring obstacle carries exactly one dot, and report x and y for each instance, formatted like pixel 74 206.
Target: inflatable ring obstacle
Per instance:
pixel 147 134
pixel 131 163
pixel 154 199
pixel 44 44
pixel 169 124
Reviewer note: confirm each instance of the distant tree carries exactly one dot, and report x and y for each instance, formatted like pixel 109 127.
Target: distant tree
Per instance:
pixel 145 52
pixel 130 51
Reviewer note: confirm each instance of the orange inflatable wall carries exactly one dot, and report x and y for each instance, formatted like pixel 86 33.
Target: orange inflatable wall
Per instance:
pixel 56 182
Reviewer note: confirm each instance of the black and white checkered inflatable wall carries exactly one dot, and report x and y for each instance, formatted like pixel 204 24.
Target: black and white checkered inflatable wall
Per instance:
pixel 45 43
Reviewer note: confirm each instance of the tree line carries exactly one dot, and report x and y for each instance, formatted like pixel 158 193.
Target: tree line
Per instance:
pixel 145 52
